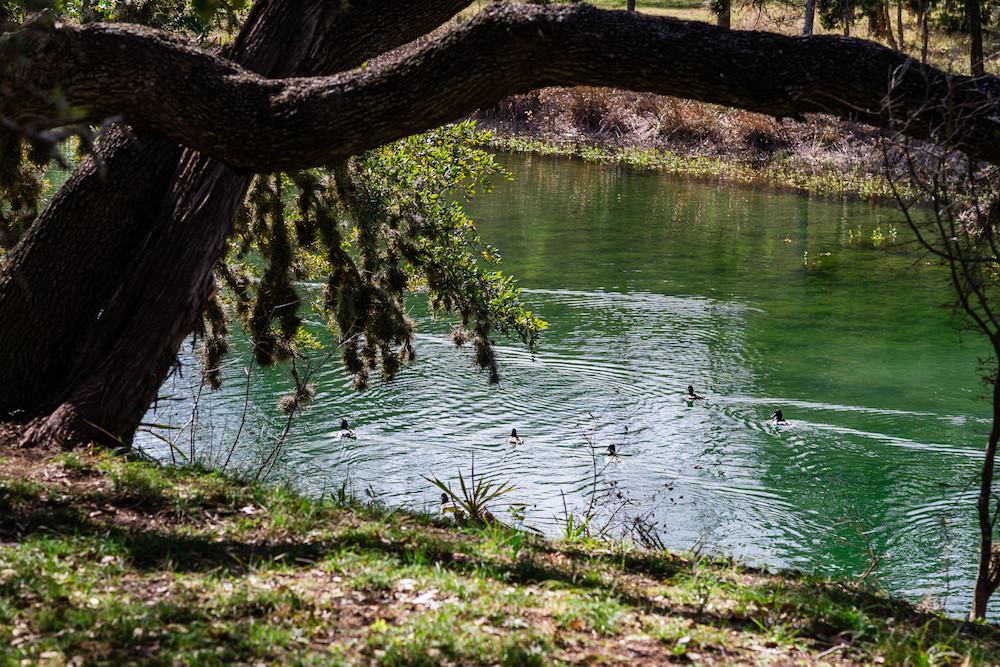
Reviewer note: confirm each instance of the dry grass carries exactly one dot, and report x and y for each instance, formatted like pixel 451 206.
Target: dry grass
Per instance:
pixel 618 118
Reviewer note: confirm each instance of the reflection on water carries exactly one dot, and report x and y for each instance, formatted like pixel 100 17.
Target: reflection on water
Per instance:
pixel 649 285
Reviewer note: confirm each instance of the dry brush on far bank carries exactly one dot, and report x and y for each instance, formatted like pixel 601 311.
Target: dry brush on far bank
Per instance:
pixel 588 115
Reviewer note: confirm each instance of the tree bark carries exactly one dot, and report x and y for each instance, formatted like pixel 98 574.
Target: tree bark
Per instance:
pixel 899 26
pixel 924 14
pixel 884 11
pixel 974 20
pixel 56 281
pixel 725 13
pixel 810 17
pixel 136 262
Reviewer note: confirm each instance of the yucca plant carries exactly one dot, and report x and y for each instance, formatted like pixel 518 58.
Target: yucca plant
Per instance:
pixel 475 496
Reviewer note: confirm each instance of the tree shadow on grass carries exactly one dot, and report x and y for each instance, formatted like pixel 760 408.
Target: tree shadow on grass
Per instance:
pixel 27 513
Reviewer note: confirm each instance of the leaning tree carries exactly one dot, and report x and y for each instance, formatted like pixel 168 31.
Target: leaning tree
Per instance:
pixel 105 284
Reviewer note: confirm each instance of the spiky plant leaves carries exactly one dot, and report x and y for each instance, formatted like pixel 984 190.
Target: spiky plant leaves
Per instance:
pixel 476 496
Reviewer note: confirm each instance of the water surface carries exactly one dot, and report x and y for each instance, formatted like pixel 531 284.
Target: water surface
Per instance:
pixel 650 284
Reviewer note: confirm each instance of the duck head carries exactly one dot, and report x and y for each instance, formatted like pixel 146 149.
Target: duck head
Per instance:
pixel 343 425
pixel 611 450
pixel 777 416
pixel 513 433
pixel 690 389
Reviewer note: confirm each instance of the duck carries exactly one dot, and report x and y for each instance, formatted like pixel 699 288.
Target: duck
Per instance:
pixel 345 431
pixel 449 506
pixel 778 419
pixel 612 456
pixel 514 439
pixel 692 395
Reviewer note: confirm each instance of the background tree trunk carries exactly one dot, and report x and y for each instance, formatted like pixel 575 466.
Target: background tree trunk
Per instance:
pixel 899 26
pixel 886 20
pixel 974 20
pixel 725 13
pixel 925 29
pixel 810 17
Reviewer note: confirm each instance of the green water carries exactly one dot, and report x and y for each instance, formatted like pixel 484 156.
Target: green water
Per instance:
pixel 649 284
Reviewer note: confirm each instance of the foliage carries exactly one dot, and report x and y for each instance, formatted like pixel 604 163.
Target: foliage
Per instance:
pixel 21 186
pixel 826 179
pixel 952 17
pixel 200 18
pixel 377 228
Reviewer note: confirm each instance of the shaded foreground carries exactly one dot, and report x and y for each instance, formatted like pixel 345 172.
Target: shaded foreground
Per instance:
pixel 108 561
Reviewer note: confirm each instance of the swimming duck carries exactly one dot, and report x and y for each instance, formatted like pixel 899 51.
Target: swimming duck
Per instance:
pixel 692 395
pixel 514 439
pixel 778 419
pixel 345 431
pixel 612 456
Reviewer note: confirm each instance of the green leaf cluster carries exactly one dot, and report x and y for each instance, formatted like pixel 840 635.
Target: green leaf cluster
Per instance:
pixel 375 229
pixel 198 17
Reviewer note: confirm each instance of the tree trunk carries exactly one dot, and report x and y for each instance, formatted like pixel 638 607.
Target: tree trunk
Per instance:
pixel 973 18
pixel 924 30
pixel 899 26
pixel 630 5
pixel 136 234
pixel 810 17
pixel 887 22
pixel 988 573
pixel 69 263
pixel 725 13
pixel 134 344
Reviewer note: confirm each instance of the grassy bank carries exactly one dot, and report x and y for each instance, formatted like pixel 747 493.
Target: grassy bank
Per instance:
pixel 108 561
pixel 685 138
pixel 784 171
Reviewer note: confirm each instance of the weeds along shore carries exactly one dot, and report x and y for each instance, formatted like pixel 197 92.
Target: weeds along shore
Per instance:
pixel 814 153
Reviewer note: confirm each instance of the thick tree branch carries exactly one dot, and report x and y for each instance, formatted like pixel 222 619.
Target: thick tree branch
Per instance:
pixel 95 226
pixel 160 83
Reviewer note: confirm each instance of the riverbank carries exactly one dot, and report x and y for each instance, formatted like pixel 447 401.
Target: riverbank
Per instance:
pixel 105 560
pixel 814 153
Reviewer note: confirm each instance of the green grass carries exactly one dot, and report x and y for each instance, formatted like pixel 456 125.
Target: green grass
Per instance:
pixel 190 567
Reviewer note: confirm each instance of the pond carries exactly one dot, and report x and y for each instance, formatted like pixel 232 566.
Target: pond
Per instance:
pixel 761 300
